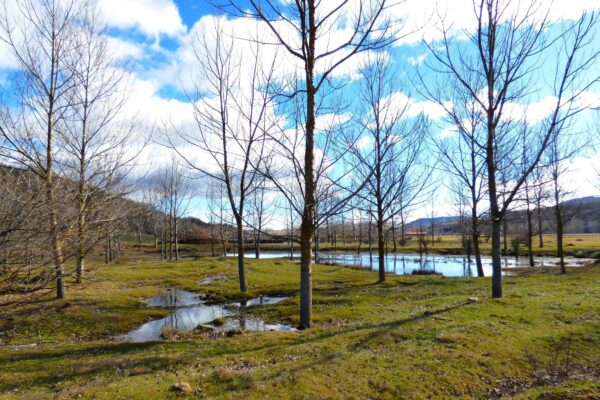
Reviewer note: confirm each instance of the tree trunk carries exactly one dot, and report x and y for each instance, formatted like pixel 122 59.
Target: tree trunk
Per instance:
pixel 394 235
pixel 241 266
pixel 308 213
pixel 139 232
pixel 381 247
pixel 559 227
pixel 370 243
pixel 496 259
pixel 175 238
pixel 530 235
pixel 540 227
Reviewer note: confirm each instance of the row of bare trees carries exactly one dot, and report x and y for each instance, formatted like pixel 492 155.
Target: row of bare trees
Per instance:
pixel 322 161
pixel 502 65
pixel 296 142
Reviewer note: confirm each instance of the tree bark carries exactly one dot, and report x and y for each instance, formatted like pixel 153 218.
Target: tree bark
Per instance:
pixel 240 256
pixel 308 214
pixel 540 227
pixel 559 226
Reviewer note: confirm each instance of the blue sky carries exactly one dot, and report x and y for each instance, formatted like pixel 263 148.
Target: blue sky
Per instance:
pixel 155 35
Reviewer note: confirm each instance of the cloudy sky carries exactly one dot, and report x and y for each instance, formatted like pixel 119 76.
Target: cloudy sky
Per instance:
pixel 156 36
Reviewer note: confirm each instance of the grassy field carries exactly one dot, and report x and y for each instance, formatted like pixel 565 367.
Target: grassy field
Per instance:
pixel 583 245
pixel 412 337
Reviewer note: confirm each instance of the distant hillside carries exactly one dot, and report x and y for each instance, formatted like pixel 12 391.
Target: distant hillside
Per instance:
pixel 582 216
pixel 439 223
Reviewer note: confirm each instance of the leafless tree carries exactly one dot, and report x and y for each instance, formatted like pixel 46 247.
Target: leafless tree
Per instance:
pixel 217 216
pixel 261 210
pixel 319 50
pixel 389 156
pixel 462 156
pixel 566 143
pixel 175 191
pixel 99 151
pixel 232 106
pixel 500 65
pixel 42 37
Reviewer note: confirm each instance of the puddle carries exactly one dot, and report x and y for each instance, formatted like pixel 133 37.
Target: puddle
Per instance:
pixel 174 298
pixel 189 311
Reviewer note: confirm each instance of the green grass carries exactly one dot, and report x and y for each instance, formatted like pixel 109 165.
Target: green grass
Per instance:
pixel 580 245
pixel 412 337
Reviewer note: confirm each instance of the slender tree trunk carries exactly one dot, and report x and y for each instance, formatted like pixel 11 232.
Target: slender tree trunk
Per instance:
pixel 308 214
pixel 170 235
pixel 394 234
pixel 381 251
pixel 559 226
pixel 370 236
pixel 539 220
pixel 176 239
pixel 530 235
pixel 257 247
pixel 80 240
pixel 240 256
pixel 504 236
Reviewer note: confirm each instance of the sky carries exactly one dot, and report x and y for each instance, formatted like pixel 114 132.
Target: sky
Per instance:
pixel 155 37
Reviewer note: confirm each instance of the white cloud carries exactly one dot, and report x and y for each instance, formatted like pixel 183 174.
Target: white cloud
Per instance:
pixel 123 49
pixel 422 17
pixel 151 17
pixel 413 107
pixel 533 113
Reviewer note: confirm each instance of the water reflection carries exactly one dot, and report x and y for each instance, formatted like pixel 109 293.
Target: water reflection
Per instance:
pixel 189 311
pixel 405 264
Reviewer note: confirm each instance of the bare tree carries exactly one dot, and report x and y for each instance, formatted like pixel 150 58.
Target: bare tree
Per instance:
pixel 565 144
pixel 389 155
pixel 497 68
pixel 42 38
pixel 462 156
pixel 312 24
pixel 260 211
pixel 231 109
pixel 98 149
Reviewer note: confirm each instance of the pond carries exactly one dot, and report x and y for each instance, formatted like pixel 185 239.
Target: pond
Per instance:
pixel 189 311
pixel 405 264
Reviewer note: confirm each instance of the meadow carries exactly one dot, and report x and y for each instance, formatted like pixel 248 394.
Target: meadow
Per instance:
pixel 411 337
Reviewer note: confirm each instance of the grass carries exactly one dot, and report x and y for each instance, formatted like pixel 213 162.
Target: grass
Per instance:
pixel 412 337
pixel 580 245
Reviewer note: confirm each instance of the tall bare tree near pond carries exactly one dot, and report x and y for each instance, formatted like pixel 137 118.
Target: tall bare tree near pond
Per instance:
pixel 463 157
pixel 308 31
pixel 232 109
pixel 42 38
pixel 566 144
pixel 500 64
pixel 390 153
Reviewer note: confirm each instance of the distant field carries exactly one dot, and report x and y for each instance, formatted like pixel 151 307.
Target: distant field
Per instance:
pixel 582 245
pixel 574 244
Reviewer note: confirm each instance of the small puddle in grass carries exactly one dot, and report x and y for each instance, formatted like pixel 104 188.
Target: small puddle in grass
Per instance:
pixel 189 311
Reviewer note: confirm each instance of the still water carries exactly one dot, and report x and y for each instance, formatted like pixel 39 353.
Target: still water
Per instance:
pixel 189 311
pixel 405 264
